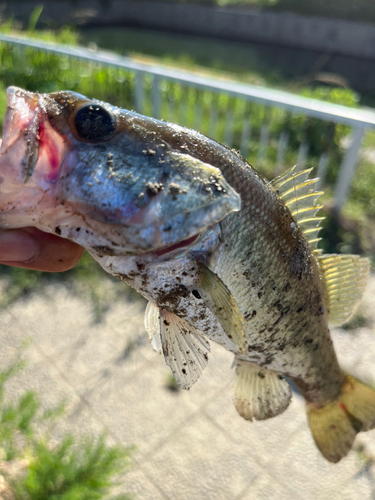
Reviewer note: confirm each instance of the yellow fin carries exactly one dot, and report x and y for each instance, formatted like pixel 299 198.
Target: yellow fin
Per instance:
pixel 299 194
pixel 259 393
pixel 345 278
pixel 222 304
pixel 335 425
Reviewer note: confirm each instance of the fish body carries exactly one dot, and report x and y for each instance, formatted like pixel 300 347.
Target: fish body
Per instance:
pixel 220 253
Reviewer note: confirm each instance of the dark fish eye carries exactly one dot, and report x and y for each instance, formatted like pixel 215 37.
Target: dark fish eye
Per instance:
pixel 94 122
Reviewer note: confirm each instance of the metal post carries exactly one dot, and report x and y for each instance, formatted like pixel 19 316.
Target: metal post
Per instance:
pixel 214 116
pixel 139 92
pixel 198 116
pixel 347 168
pixel 281 150
pixel 302 155
pixel 245 137
pixel 183 113
pixel 322 170
pixel 155 97
pixel 228 132
pixel 263 143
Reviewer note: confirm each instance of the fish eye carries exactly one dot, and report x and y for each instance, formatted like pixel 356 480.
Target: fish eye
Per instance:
pixel 94 122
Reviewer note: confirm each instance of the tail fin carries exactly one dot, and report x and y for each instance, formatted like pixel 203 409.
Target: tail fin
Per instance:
pixel 335 425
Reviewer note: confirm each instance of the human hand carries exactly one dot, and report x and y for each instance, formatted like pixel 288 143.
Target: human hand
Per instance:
pixel 28 247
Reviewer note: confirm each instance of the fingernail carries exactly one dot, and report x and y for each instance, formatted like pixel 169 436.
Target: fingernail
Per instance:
pixel 17 246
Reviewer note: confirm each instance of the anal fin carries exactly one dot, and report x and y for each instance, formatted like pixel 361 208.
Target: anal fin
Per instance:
pixel 259 393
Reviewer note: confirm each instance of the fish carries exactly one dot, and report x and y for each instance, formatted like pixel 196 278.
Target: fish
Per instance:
pixel 220 253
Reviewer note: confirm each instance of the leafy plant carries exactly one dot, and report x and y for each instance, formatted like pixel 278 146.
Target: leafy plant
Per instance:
pixel 73 469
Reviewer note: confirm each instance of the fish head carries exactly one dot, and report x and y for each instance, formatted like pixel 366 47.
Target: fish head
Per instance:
pixel 103 176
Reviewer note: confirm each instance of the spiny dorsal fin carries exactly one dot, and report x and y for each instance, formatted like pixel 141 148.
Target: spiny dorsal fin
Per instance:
pixel 259 393
pixel 184 347
pixel 299 194
pixel 345 278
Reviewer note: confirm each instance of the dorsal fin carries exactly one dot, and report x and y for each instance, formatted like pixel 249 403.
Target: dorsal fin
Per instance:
pixel 299 194
pixel 345 278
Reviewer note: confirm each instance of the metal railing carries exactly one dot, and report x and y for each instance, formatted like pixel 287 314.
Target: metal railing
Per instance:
pixel 234 124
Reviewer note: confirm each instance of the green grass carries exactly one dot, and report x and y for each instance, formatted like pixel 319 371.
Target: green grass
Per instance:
pixel 73 469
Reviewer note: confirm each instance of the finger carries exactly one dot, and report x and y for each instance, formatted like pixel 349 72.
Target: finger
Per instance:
pixel 34 249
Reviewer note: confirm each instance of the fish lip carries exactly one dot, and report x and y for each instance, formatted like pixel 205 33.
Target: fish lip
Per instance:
pixel 32 98
pixel 19 122
pixel 177 246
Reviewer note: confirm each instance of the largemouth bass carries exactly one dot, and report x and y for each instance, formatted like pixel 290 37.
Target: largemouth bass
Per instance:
pixel 220 253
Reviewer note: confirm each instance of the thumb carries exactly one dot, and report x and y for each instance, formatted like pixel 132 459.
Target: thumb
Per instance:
pixel 34 249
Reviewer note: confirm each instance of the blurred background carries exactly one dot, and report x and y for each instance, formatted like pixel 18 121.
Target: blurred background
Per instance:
pixel 284 82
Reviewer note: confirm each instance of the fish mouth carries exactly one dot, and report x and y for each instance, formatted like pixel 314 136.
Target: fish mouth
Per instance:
pixel 177 246
pixel 22 125
pixel 30 143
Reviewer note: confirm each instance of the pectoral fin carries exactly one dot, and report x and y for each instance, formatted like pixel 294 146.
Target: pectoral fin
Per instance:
pixel 222 304
pixel 185 349
pixel 152 325
pixel 259 393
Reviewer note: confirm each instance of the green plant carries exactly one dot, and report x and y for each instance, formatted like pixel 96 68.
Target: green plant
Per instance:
pixel 73 469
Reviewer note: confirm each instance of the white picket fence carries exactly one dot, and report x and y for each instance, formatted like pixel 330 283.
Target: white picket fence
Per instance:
pixel 359 120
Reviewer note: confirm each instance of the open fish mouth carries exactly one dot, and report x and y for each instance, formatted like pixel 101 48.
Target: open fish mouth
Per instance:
pixel 30 144
pixel 22 126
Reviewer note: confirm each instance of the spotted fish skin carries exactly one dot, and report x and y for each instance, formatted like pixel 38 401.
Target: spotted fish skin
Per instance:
pixel 206 239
